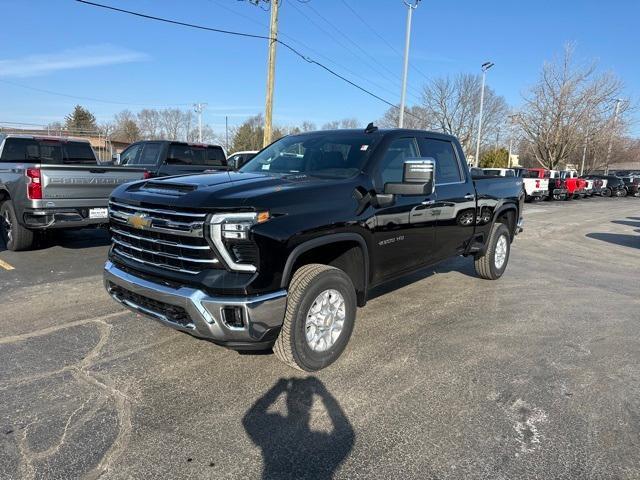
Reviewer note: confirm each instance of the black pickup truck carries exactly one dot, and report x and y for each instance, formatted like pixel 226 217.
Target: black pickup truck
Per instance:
pixel 279 254
pixel 161 158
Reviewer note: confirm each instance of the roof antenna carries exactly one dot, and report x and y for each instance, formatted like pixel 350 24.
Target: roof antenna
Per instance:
pixel 371 128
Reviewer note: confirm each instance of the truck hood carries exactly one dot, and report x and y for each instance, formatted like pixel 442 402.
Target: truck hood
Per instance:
pixel 222 190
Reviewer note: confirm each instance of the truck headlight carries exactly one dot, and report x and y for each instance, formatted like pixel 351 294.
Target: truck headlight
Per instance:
pixel 227 229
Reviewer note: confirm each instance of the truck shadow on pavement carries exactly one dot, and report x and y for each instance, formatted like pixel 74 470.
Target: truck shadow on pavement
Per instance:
pixel 291 448
pixel 457 264
pixel 622 239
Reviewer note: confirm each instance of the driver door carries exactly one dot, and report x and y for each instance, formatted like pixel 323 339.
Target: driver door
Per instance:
pixel 403 231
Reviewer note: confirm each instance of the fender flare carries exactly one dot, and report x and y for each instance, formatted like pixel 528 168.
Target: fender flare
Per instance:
pixel 326 240
pixel 504 208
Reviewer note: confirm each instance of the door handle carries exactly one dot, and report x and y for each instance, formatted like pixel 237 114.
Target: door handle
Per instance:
pixel 428 202
pixel 469 196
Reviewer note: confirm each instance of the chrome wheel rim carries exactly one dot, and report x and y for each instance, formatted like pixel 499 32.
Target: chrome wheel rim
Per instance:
pixel 6 226
pixel 501 252
pixel 325 320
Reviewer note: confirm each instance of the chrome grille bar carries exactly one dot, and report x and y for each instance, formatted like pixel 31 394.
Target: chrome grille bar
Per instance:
pixel 159 241
pixel 163 254
pixel 154 264
pixel 158 210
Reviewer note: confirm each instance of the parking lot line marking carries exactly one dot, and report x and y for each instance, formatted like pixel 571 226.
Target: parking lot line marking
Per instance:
pixel 5 265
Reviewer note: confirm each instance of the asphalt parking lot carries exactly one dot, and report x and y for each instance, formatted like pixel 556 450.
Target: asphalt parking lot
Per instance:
pixel 536 375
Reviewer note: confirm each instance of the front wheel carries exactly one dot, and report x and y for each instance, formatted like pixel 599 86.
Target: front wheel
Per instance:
pixel 493 263
pixel 606 192
pixel 321 312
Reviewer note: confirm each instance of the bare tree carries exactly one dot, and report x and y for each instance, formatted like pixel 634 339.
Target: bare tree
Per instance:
pixel 173 124
pixel 567 102
pixel 452 105
pixel 414 117
pixel 150 124
pixel 125 127
pixel 308 126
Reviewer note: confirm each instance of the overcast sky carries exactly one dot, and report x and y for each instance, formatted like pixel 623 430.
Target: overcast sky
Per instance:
pixel 64 47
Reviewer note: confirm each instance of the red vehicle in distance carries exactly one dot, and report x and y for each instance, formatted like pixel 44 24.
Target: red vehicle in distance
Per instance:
pixel 557 185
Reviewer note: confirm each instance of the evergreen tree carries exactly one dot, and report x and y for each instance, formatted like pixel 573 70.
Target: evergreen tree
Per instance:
pixel 80 119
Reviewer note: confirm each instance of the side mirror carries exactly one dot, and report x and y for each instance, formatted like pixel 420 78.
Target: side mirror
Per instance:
pixel 418 178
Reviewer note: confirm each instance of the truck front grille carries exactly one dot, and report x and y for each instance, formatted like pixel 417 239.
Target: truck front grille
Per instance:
pixel 169 239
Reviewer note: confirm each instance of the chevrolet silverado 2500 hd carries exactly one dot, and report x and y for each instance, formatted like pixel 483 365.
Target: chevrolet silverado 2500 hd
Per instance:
pixel 52 182
pixel 280 253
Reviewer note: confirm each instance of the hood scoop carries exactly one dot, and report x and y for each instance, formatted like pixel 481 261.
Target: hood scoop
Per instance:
pixel 168 188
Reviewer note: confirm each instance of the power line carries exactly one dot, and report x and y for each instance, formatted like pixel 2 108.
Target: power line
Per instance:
pixel 375 32
pixel 372 64
pixel 304 45
pixel 90 99
pixel 242 34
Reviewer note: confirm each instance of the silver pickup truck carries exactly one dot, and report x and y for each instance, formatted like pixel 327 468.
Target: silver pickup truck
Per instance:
pixel 52 182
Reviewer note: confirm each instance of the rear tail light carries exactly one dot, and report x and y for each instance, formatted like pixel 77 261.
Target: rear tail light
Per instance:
pixel 34 184
pixel 558 183
pixel 146 175
pixel 537 183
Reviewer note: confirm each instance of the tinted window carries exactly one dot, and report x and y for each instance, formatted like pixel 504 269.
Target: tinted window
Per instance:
pixel 184 154
pixel 150 154
pixel 447 166
pixel 54 152
pixel 392 165
pixel 332 155
pixel 129 156
pixel 494 173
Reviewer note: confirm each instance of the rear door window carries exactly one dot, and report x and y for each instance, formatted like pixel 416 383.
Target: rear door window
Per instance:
pixel 185 154
pixel 447 164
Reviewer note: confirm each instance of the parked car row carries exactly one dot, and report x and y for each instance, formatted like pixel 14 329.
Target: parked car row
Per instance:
pixel 543 184
pixel 49 182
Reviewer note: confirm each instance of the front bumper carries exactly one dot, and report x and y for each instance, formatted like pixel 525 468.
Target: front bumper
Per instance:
pixel 195 312
pixel 45 218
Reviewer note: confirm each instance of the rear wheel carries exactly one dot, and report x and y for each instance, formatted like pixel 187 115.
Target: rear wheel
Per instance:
pixel 15 236
pixel 321 312
pixel 621 193
pixel 493 263
pixel 606 192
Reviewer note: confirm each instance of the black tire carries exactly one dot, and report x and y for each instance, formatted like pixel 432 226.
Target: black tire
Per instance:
pixel 486 264
pixel 307 284
pixel 622 193
pixel 606 192
pixel 15 236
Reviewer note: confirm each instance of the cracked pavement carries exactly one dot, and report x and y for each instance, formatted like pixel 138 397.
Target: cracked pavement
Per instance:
pixel 446 376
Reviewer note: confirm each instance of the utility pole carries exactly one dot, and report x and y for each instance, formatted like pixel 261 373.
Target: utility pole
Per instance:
pixel 405 69
pixel 271 73
pixel 226 132
pixel 485 66
pixel 199 108
pixel 613 132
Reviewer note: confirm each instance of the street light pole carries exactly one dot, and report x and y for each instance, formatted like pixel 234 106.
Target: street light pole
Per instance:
pixel 613 132
pixel 199 108
pixel 405 69
pixel 513 123
pixel 485 66
pixel 584 150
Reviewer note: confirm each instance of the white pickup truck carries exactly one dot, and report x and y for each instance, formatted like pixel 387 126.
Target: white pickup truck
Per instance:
pixel 534 187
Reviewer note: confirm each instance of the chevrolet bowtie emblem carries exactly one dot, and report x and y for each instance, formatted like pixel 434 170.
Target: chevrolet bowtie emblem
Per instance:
pixel 139 221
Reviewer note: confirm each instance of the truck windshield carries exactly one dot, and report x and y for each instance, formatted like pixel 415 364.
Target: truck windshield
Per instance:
pixel 188 154
pixel 51 151
pixel 320 154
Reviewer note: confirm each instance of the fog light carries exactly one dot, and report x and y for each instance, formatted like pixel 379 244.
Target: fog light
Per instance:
pixel 233 317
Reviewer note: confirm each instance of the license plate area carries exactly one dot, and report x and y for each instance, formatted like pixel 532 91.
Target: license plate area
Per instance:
pixel 95 213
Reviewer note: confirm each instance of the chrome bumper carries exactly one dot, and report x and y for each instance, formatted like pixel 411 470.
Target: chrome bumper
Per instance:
pixel 204 313
pixel 520 225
